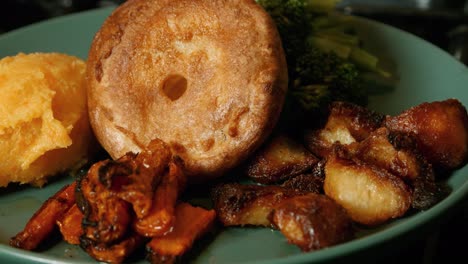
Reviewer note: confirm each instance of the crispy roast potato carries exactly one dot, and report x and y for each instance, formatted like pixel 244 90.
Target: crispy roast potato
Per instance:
pixel 308 220
pixel 279 159
pixel 311 181
pixel 346 123
pixel 441 131
pixel 241 204
pixel 391 151
pixel 397 153
pixel 305 182
pixel 426 190
pixel 312 221
pixel 370 195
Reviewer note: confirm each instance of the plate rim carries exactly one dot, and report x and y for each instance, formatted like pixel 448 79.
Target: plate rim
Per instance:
pixel 327 254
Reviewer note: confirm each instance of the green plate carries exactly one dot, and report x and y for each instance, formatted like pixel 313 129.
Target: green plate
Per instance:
pixel 425 72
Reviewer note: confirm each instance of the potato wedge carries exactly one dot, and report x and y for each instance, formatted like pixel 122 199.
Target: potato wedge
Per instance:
pixel 391 151
pixel 397 153
pixel 346 123
pixel 370 194
pixel 244 205
pixel 441 130
pixel 281 158
pixel 312 221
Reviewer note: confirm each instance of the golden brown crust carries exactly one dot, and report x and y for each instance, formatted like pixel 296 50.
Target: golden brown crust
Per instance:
pixel 312 221
pixel 347 123
pixel 371 195
pixel 279 159
pixel 208 77
pixel 440 129
pixel 248 204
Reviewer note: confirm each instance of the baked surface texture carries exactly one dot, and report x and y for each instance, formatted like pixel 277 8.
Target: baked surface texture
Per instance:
pixel 207 77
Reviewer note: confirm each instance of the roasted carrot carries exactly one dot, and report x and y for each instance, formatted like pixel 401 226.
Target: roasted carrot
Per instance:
pixel 42 224
pixel 161 216
pixel 70 225
pixel 116 253
pixel 190 223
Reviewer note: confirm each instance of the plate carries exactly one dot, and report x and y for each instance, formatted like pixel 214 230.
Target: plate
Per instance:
pixel 425 73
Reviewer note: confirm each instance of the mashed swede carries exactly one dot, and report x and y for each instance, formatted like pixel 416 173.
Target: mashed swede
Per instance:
pixel 44 127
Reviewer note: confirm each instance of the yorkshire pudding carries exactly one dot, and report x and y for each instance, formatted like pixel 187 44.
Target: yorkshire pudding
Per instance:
pixel 208 77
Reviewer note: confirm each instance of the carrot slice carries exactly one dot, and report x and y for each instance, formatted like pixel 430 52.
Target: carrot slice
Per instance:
pixel 42 224
pixel 190 223
pixel 160 219
pixel 116 253
pixel 70 225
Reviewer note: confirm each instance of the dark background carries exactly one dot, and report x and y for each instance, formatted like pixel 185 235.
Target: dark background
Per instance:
pixel 443 23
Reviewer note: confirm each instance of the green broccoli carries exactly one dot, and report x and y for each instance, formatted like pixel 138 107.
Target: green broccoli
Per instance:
pixel 324 57
pixel 314 85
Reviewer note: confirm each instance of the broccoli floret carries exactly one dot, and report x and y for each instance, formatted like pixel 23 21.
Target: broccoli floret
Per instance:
pixel 324 57
pixel 347 84
pixel 315 85
pixel 292 20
